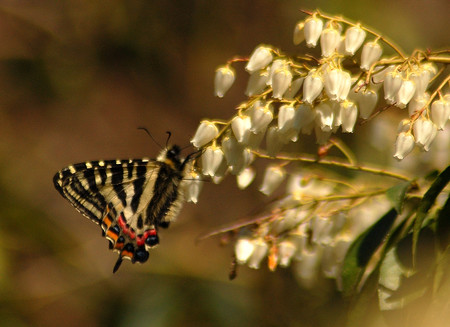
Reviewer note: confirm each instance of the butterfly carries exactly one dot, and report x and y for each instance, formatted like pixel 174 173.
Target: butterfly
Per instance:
pixel 129 199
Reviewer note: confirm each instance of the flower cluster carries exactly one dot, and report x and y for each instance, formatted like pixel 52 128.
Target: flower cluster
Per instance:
pixel 290 96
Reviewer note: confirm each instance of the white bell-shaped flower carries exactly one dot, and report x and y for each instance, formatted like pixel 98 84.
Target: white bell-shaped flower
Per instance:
pixel 293 89
pixel 240 126
pixel 254 141
pixel 211 159
pixel 286 115
pixel 440 113
pixel 417 103
pixel 245 178
pixel 244 160
pixel 329 41
pixel 274 142
pixel 223 80
pixel 261 115
pixel 367 102
pixel 324 116
pixel 257 82
pixel 260 58
pixel 371 52
pixel 232 150
pixel 431 138
pixel 243 249
pixel 299 36
pixel 312 86
pixel 286 251
pixel 332 83
pixel 192 185
pixel 259 253
pixel 344 89
pixel 276 64
pixel 424 131
pixel 281 80
pixel 421 79
pixel 312 28
pixel 392 83
pixel 273 177
pixel 403 145
pixel 304 116
pixel 405 94
pixel 349 114
pixel 205 133
pixel 354 38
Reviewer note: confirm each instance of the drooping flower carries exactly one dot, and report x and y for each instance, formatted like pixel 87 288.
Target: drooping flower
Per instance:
pixel 312 28
pixel 354 37
pixel 371 52
pixel 223 80
pixel 205 133
pixel 260 58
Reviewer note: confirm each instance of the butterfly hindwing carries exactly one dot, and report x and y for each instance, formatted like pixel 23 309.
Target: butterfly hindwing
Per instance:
pixel 129 199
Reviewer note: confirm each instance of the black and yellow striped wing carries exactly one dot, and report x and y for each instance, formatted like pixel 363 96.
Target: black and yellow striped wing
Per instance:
pixel 129 199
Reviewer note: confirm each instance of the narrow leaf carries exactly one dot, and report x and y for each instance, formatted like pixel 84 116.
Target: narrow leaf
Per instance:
pixel 427 202
pixel 362 249
pixel 396 195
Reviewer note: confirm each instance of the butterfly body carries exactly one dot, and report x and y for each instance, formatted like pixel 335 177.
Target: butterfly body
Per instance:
pixel 129 199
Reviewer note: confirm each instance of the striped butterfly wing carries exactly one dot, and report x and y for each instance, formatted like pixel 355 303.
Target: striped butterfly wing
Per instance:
pixel 129 199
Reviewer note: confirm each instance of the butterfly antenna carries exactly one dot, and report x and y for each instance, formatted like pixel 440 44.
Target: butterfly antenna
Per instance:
pixel 151 136
pixel 169 134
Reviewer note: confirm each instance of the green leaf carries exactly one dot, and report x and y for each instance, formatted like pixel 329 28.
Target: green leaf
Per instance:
pixel 362 250
pixel 396 194
pixel 427 202
pixel 443 225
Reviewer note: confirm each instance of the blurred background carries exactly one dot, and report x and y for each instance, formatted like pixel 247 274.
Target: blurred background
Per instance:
pixel 76 80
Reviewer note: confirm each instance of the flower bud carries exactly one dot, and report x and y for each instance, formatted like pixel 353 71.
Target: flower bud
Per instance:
pixel 440 112
pixel 354 37
pixel 273 177
pixel 260 58
pixel 241 128
pixel 281 80
pixel 312 28
pixel 205 133
pixel 312 86
pixel 403 145
pixel 257 82
pixel 329 41
pixel 349 114
pixel 223 80
pixel 299 36
pixel 371 52
pixel 405 94
pixel 211 160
